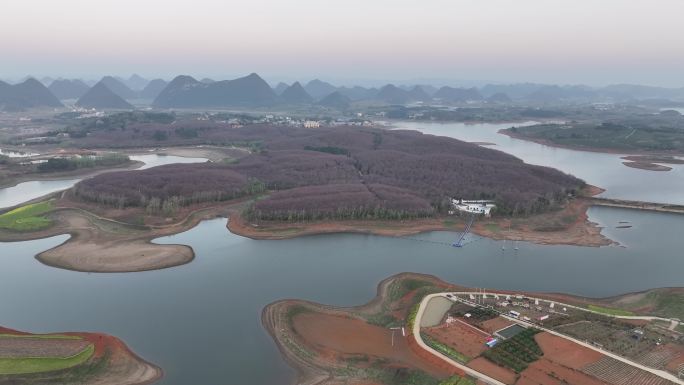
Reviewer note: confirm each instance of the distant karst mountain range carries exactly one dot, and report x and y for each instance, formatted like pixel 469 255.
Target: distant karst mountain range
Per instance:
pixel 252 91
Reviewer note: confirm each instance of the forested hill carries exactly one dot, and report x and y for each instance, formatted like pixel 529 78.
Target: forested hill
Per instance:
pixel 340 172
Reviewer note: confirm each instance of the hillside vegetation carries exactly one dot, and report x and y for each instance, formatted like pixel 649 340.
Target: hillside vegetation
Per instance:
pixel 336 172
pixel 662 132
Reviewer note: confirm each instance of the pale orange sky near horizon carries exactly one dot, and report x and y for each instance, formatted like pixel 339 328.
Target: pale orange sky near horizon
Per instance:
pixel 563 41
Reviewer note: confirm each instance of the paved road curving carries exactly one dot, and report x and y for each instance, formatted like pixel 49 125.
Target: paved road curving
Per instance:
pixel 416 333
pixel 488 380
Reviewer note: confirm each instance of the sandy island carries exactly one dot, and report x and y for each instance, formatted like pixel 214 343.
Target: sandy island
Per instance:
pixel 111 362
pixel 647 166
pixel 106 246
pixel 651 162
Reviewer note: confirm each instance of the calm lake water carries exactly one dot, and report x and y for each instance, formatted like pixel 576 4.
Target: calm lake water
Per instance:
pixel 603 170
pixel 26 191
pixel 200 322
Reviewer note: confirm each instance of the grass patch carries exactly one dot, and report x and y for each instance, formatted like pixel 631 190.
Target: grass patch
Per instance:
pixel 411 319
pixel 516 353
pixel 661 302
pixel 293 311
pixel 569 219
pixel 27 218
pixel 455 380
pixel 609 311
pixel 400 288
pixel 493 227
pixel 287 230
pixel 444 349
pixel 383 320
pixel 43 364
pixel 669 305
pixel 42 336
pixel 400 376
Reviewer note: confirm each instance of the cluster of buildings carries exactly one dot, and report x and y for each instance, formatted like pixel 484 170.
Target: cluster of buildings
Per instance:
pixel 288 121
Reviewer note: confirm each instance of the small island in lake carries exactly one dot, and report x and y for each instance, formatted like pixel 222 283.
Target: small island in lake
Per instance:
pixel 277 181
pixel 71 358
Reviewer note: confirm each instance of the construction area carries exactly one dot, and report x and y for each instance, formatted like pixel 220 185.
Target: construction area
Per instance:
pixel 517 339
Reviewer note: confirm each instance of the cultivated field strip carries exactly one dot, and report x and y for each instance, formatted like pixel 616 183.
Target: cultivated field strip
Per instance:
pixel 619 373
pixel 657 358
pixel 20 347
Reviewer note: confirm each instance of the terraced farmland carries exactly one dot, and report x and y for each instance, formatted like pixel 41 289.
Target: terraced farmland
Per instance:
pixel 619 373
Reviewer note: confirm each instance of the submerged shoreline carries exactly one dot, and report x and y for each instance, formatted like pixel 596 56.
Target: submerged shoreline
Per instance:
pixel 547 228
pixel 101 244
pixel 105 241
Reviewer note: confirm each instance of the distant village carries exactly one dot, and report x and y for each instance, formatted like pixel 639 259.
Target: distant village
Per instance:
pixel 285 120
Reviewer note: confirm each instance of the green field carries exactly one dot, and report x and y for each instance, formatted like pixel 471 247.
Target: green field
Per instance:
pixel 27 218
pixel 444 349
pixel 43 364
pixel 609 311
pixel 457 381
pixel 516 353
pixel 42 336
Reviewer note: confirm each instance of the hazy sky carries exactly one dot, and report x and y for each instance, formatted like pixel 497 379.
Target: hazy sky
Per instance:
pixel 566 41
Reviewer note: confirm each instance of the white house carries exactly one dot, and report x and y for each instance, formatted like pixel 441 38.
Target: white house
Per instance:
pixel 481 207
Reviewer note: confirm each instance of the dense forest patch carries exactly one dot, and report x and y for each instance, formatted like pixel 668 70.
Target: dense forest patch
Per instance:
pixel 337 172
pixel 647 132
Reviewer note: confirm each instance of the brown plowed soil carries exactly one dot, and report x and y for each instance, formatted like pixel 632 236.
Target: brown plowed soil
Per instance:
pixel 333 335
pixel 461 337
pixel 564 352
pixel 547 372
pixel 493 370
pixel 677 363
pixel 494 324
